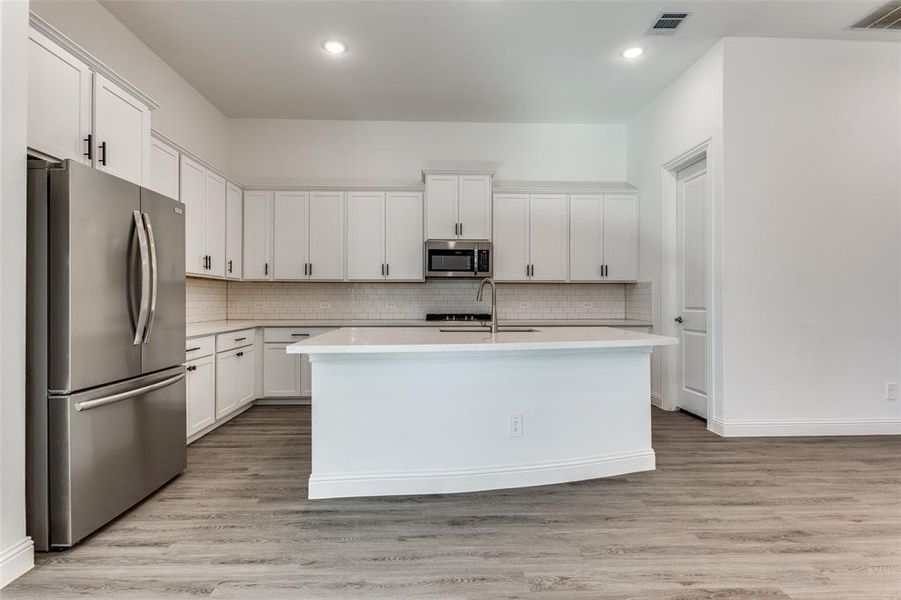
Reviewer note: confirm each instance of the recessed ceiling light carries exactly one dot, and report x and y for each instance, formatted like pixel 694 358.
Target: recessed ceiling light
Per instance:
pixel 334 47
pixel 632 53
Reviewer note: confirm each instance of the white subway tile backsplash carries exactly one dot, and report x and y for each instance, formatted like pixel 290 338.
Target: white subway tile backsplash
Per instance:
pixel 205 300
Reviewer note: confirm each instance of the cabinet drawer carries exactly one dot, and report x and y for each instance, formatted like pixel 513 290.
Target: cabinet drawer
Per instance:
pixel 234 339
pixel 197 347
pixel 289 335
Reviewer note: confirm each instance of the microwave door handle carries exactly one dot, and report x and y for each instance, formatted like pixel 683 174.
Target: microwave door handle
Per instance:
pixel 141 325
pixel 154 276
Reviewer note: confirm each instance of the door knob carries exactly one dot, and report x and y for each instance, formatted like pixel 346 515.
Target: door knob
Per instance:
pixel 678 319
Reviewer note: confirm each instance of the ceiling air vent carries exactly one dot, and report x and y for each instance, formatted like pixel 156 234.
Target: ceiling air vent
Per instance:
pixel 667 23
pixel 887 16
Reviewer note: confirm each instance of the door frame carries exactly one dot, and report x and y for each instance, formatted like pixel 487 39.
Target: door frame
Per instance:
pixel 670 279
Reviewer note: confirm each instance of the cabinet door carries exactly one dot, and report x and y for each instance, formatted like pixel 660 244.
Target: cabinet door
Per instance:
pixel 193 176
pixel 442 192
pixel 234 230
pixel 201 394
pixel 257 235
pixel 475 207
pixel 214 213
pixel 621 237
pixel 226 383
pixel 121 132
pixel 59 101
pixel 245 382
pixel 365 235
pixel 163 168
pixel 290 234
pixel 326 256
pixel 548 249
pixel 585 237
pixel 281 372
pixel 511 237
pixel 404 249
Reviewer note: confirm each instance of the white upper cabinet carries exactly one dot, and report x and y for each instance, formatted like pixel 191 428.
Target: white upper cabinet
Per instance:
pixel 530 237
pixel 458 206
pixel 291 226
pixel 59 101
pixel 164 161
pixel 215 224
pixel 603 237
pixel 193 179
pixel 234 231
pixel 511 237
pixel 121 132
pixel 404 251
pixel 258 235
pixel 365 235
pixel 326 238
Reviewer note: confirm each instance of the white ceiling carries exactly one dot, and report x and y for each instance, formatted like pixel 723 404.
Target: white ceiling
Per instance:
pixel 481 61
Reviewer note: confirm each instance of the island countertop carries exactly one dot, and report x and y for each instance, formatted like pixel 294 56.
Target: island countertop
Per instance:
pixel 377 340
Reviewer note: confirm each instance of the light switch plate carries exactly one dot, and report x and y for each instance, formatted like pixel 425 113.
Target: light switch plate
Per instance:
pixel 891 391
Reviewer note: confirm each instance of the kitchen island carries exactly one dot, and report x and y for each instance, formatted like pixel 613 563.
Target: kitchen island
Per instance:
pixel 429 411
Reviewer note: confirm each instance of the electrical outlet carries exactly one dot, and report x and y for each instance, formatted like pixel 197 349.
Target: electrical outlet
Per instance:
pixel 587 304
pixel 259 305
pixel 524 305
pixel 390 305
pixel 515 426
pixel 891 391
pixel 324 305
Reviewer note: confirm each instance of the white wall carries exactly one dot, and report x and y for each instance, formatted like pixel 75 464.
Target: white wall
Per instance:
pixel 16 550
pixel 288 151
pixel 812 286
pixel 184 115
pixel 685 114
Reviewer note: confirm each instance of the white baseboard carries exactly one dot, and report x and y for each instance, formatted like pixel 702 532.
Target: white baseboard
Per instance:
pixel 16 561
pixel 282 402
pixel 445 482
pixel 656 400
pixel 805 427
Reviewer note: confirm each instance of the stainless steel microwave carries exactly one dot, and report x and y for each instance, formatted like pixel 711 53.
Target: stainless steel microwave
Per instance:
pixel 455 258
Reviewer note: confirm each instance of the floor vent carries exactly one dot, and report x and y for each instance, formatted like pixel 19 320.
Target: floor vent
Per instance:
pixel 667 23
pixel 887 16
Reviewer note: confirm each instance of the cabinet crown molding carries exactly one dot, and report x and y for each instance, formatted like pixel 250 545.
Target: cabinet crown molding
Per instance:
pixel 564 187
pixel 94 63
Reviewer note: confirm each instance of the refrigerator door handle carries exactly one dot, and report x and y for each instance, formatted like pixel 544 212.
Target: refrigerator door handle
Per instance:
pixel 141 325
pixel 153 276
pixel 89 404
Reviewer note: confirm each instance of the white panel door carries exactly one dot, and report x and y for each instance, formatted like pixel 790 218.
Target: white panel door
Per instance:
pixel 200 388
pixel 164 168
pixel 290 235
pixel 620 238
pixel 548 245
pixel 442 194
pixel 365 235
pixel 585 237
pixel 245 382
pixel 226 383
pixel 234 230
pixel 121 132
pixel 257 235
pixel 214 193
pixel 475 207
pixel 193 179
pixel 326 256
pixel 281 372
pixel 404 250
pixel 511 237
pixel 692 272
pixel 59 101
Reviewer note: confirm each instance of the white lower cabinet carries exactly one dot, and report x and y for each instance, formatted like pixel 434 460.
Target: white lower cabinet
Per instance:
pixel 200 388
pixel 287 375
pixel 234 379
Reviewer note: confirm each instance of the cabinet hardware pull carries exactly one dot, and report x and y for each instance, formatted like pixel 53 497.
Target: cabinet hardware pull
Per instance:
pixel 193 349
pixel 229 266
pixel 606 270
pixel 240 339
pixel 305 269
pixel 461 228
pixel 311 269
pixel 383 269
pixel 265 268
pixel 300 335
pixel 387 270
pixel 678 319
pixel 90 152
pixel 239 354
pixel 103 153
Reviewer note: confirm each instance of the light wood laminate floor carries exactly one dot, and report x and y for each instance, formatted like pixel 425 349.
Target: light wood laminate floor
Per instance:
pixel 720 518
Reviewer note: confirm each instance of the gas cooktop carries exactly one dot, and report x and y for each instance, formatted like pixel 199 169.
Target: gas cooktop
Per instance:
pixel 458 317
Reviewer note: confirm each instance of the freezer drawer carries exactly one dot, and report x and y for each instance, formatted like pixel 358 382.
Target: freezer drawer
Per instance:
pixel 110 447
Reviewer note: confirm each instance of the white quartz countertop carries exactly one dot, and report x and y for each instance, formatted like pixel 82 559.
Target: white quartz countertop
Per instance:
pixel 214 327
pixel 376 340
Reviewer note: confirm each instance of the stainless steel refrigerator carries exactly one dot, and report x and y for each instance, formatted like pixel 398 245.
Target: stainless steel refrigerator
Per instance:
pixel 105 346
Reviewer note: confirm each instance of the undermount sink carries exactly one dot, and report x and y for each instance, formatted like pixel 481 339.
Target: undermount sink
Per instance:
pixel 488 330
